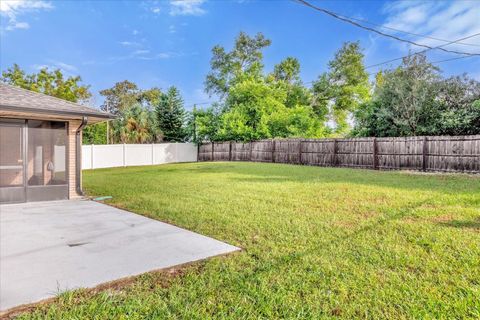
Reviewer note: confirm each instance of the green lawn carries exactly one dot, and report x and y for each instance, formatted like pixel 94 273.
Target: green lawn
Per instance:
pixel 318 243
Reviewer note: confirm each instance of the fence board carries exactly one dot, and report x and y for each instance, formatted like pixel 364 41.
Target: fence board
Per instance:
pixel 221 151
pixel 240 151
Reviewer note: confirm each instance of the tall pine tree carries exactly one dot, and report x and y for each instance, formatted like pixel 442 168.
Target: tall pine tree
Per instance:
pixel 170 115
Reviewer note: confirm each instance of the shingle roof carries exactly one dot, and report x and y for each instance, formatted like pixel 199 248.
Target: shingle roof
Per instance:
pixel 18 99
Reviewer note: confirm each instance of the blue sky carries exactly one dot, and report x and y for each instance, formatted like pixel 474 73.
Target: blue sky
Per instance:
pixel 163 43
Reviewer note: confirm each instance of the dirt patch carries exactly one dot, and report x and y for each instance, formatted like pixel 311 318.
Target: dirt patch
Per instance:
pixel 411 220
pixel 443 218
pixel 346 224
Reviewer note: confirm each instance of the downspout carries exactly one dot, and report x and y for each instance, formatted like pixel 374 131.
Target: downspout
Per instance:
pixel 78 156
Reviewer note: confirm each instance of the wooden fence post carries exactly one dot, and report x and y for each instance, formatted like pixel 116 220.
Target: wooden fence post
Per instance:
pixel 299 151
pixel 375 154
pixel 424 154
pixel 230 151
pixel 273 150
pixel 251 149
pixel 213 143
pixel 335 160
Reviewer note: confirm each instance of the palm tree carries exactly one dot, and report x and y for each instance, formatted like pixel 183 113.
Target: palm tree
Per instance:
pixel 135 125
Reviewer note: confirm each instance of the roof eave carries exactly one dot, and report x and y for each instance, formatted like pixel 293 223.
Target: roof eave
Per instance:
pixel 103 115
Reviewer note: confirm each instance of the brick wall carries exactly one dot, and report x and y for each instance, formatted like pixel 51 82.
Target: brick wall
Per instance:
pixel 72 128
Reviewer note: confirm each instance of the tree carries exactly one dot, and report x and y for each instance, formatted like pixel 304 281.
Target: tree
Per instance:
pixel 229 67
pixel 135 125
pixel 257 110
pixel 414 99
pixel 458 105
pixel 150 98
pixel 287 70
pixel 121 96
pixel 348 86
pixel 207 123
pixel 52 83
pixel 170 115
pixel 321 96
pixel 404 101
pixel 95 133
pixel 255 105
pixel 286 74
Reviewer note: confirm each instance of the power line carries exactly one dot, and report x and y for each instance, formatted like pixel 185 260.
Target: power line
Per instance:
pixel 433 62
pixel 423 51
pixel 410 33
pixel 199 103
pixel 348 20
pixel 456 58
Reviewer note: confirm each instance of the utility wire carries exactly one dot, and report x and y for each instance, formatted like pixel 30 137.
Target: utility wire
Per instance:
pixel 423 51
pixel 456 58
pixel 348 20
pixel 410 33
pixel 433 62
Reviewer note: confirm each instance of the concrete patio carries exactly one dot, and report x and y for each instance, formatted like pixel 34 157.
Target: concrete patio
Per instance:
pixel 50 247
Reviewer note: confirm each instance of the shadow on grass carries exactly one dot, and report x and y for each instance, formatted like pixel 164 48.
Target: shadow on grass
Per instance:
pixel 463 224
pixel 279 173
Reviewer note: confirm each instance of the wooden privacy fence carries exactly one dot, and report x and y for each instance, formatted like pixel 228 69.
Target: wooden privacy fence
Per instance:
pixel 442 153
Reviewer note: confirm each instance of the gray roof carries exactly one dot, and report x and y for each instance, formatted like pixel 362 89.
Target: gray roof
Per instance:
pixel 18 99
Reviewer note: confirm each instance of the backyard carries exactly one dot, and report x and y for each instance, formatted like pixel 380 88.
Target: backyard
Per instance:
pixel 317 243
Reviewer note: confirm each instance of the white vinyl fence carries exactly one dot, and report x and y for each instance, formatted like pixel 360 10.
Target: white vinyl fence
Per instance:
pixel 121 155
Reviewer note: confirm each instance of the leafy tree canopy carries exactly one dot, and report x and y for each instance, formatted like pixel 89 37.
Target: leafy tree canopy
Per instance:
pixel 135 125
pixel 228 67
pixel 344 87
pixel 53 83
pixel 125 94
pixel 256 105
pixel 95 133
pixel 414 99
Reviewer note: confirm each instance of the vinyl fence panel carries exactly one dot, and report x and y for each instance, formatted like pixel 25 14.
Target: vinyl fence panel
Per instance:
pixel 138 154
pixel 164 153
pixel 120 155
pixel 107 156
pixel 185 152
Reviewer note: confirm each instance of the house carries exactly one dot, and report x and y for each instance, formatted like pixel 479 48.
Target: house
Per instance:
pixel 40 145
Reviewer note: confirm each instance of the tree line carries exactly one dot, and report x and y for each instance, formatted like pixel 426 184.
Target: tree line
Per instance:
pixel 411 99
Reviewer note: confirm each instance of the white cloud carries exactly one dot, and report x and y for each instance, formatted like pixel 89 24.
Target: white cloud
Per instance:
pixel 186 7
pixel 140 52
pixel 65 66
pixel 442 20
pixel 163 55
pixel 129 43
pixel 17 25
pixel 156 10
pixel 53 65
pixel 143 54
pixel 12 9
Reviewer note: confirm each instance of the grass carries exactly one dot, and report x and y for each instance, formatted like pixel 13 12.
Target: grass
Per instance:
pixel 318 243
